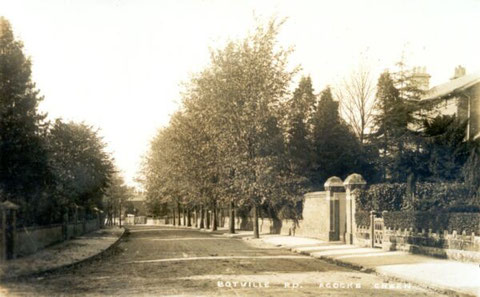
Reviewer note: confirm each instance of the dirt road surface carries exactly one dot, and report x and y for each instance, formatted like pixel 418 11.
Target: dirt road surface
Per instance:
pixel 164 261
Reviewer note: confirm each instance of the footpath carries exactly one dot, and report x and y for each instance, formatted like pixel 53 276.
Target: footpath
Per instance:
pixel 64 254
pixel 446 276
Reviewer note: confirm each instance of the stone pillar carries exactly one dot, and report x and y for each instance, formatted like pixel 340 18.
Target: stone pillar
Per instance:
pixel 352 182
pixel 336 215
pixel 9 226
pixel 99 218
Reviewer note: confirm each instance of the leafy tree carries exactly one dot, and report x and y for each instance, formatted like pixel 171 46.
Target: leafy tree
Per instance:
pixel 115 198
pixel 227 144
pixel 252 82
pixel 24 174
pixel 79 163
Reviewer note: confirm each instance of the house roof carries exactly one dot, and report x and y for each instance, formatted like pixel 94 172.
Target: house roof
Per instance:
pixel 452 87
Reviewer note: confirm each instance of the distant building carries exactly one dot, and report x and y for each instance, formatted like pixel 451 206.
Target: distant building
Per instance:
pixel 460 96
pixel 136 205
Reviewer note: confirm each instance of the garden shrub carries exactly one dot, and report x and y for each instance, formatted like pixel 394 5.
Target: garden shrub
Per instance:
pixel 362 218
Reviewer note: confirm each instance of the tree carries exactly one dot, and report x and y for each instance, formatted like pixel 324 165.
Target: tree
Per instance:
pixel 252 80
pixel 24 174
pixel 470 172
pixel 445 148
pixel 115 198
pixel 298 127
pixel 79 163
pixel 396 125
pixel 336 149
pixel 391 121
pixel 226 144
pixel 357 101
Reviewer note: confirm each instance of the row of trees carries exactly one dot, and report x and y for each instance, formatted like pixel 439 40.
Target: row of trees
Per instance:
pixel 242 139
pixel 47 168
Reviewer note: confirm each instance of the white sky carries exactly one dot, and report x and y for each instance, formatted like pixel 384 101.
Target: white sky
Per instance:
pixel 118 64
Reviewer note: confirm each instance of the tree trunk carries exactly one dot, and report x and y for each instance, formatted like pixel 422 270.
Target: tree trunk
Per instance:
pixel 256 233
pixel 196 217
pixel 184 216
pixel 173 216
pixel 231 227
pixel 207 213
pixel 215 217
pixel 202 223
pixel 189 219
pixel 120 216
pixel 179 215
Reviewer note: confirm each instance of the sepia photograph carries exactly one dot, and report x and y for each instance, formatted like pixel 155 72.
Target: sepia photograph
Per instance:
pixel 239 148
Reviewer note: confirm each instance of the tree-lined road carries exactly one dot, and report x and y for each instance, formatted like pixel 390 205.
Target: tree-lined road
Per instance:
pixel 164 261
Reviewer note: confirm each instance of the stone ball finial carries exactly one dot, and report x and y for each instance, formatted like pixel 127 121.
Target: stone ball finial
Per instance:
pixel 354 179
pixel 333 181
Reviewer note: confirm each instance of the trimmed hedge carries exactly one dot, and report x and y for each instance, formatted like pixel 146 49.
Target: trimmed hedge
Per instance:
pixel 451 197
pixel 437 221
pixel 447 196
pixel 362 218
pixel 381 197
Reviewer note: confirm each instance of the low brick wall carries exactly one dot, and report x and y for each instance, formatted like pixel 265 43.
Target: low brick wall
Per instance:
pixel 91 225
pixel 362 236
pixel 461 247
pixel 31 239
pixel 315 221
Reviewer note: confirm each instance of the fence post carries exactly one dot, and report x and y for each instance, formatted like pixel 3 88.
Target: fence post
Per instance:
pixel 84 220
pixel 65 224
pixel 352 182
pixel 372 228
pixel 75 219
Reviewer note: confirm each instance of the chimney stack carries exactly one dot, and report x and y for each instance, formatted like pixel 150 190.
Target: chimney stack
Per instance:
pixel 421 78
pixel 459 72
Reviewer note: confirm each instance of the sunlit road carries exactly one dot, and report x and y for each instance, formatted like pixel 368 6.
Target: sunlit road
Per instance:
pixel 162 261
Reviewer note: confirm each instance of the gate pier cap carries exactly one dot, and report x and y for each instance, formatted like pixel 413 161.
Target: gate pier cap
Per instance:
pixel 354 181
pixel 334 184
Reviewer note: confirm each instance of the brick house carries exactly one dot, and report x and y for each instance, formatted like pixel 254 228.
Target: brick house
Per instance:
pixel 460 96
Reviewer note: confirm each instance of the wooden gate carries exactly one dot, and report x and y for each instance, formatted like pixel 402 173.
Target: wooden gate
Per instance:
pixel 377 231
